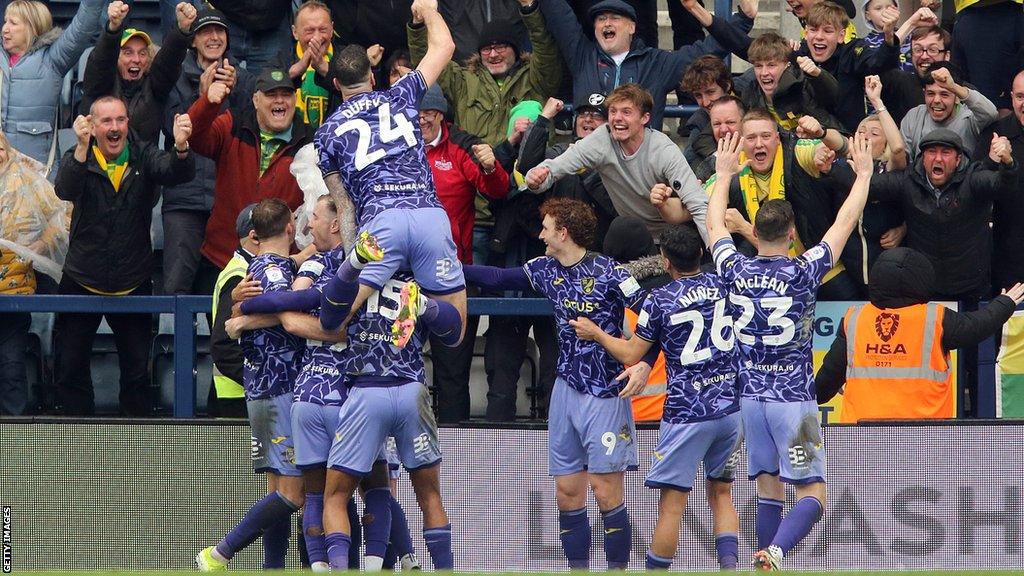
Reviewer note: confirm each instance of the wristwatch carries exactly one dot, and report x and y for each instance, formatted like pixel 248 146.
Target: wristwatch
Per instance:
pixel 185 151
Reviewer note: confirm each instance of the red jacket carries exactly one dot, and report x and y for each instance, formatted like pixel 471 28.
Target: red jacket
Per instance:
pixel 457 177
pixel 232 140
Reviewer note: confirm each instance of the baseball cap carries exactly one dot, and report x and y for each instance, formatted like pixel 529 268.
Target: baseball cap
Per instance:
pixel 271 79
pixel 593 102
pixel 243 224
pixel 614 6
pixel 942 137
pixel 209 17
pixel 130 33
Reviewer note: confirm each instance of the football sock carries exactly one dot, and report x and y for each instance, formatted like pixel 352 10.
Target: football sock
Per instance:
pixel 728 548
pixel 769 515
pixel 574 532
pixel 275 544
pixel 336 301
pixel 618 537
pixel 443 320
pixel 401 538
pixel 313 527
pixel 376 524
pixel 655 562
pixel 338 544
pixel 390 558
pixel 798 523
pixel 439 545
pixel 272 509
pixel 356 532
pixel 350 268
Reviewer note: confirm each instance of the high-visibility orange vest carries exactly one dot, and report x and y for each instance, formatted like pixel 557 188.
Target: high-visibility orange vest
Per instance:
pixel 649 404
pixel 896 367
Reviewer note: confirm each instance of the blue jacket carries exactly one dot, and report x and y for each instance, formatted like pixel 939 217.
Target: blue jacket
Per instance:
pixel 659 71
pixel 31 88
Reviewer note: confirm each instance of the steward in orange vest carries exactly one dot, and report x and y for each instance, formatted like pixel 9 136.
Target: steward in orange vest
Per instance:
pixel 892 354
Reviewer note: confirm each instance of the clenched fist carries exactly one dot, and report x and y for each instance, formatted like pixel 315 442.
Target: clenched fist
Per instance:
pixel 117 11
pixel 218 91
pixel 484 154
pixel 536 177
pixel 182 130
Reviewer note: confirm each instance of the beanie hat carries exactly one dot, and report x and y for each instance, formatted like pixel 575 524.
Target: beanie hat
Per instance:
pixel 497 32
pixel 433 99
pixel 525 109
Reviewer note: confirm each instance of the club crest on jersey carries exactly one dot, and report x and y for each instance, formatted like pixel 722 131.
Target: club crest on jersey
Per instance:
pixel 886 325
pixel 587 285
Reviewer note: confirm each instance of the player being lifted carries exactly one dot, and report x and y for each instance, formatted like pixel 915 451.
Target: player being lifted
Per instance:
pixel 773 298
pixel 373 161
pixel 320 391
pixel 701 422
pixel 591 436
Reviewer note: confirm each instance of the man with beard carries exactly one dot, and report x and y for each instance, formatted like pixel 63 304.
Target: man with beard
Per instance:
pixel 947 202
pixel 122 65
pixel 113 183
pixel 947 104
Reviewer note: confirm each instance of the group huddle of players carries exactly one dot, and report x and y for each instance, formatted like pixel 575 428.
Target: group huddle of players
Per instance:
pixel 737 344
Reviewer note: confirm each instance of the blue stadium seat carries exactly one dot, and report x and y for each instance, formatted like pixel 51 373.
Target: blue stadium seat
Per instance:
pixel 163 364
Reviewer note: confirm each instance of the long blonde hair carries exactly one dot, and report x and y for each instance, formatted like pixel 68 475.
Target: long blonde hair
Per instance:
pixel 34 14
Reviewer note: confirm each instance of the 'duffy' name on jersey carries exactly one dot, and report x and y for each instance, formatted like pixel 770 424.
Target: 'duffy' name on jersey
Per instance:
pixel 373 142
pixel 595 287
pixel 690 319
pixel 773 300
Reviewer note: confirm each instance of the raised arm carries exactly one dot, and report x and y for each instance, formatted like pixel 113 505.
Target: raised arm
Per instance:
pixel 546 63
pixel 583 154
pixel 166 67
pixel 893 137
pixel 726 166
pixel 79 35
pixel 688 195
pixel 566 30
pixel 440 45
pixel 101 66
pixel 851 210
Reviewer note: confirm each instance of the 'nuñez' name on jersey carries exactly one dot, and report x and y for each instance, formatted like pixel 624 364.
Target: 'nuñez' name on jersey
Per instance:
pixel 596 288
pixel 365 130
pixel 321 380
pixel 690 318
pixel 370 351
pixel 271 356
pixel 773 310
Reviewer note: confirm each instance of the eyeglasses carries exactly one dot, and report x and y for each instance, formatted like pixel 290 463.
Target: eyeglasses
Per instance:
pixel 494 48
pixel 591 114
pixel 932 51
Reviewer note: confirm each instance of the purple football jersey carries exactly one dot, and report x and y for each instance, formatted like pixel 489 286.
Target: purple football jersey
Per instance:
pixel 320 379
pixel 271 356
pixel 595 287
pixel 773 302
pixel 690 318
pixel 373 142
pixel 370 351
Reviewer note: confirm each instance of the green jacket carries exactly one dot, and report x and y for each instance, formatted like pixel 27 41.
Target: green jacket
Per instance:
pixel 482 106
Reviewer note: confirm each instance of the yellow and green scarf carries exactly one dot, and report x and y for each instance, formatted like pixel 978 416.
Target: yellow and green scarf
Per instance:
pixel 311 100
pixel 116 168
pixel 753 197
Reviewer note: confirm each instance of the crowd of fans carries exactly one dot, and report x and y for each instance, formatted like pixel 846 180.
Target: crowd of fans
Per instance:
pixel 214 118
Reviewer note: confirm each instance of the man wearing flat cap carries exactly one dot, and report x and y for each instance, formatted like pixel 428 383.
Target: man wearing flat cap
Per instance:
pixel 617 56
pixel 947 202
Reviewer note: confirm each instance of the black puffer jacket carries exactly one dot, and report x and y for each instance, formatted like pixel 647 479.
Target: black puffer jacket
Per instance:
pixel 950 226
pixel 903 277
pixel 147 97
pixel 110 249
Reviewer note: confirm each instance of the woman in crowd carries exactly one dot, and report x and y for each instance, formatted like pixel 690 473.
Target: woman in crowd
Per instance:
pixel 33 234
pixel 35 58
